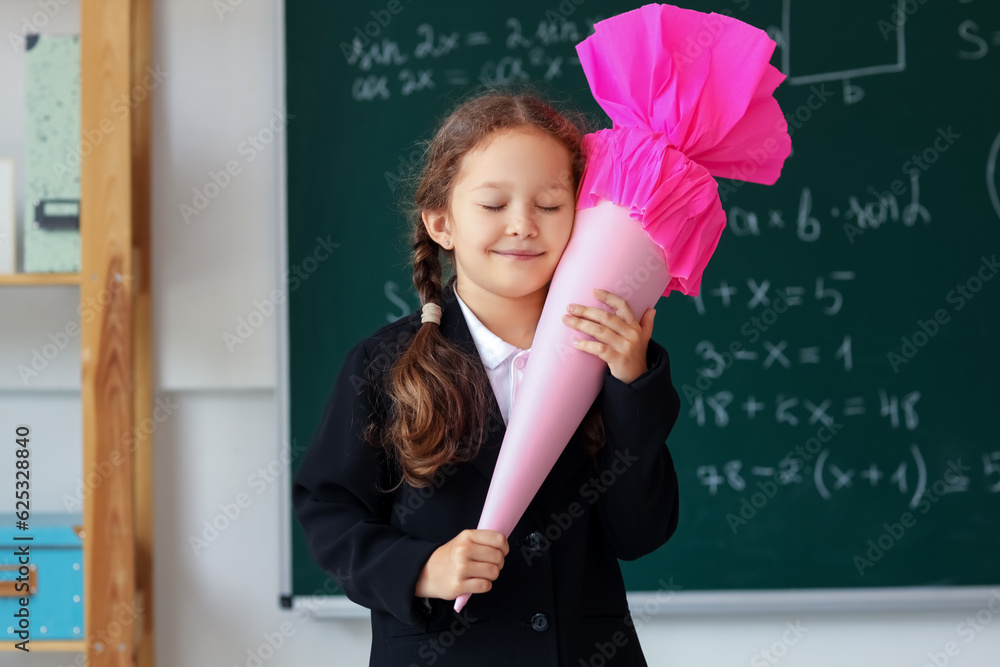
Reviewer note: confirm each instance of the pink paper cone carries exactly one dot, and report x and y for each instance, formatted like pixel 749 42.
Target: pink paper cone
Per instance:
pixel 608 250
pixel 690 97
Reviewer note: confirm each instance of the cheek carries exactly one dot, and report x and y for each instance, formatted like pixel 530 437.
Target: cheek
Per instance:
pixel 567 228
pixel 475 231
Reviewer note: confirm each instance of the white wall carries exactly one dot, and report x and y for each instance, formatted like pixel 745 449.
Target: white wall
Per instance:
pixel 214 606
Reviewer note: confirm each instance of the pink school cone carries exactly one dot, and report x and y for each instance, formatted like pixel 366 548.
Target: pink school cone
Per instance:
pixel 690 97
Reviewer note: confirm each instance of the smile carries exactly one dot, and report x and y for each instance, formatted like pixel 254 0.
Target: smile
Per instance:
pixel 517 256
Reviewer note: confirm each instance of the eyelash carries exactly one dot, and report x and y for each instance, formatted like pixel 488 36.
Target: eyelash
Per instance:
pixel 497 209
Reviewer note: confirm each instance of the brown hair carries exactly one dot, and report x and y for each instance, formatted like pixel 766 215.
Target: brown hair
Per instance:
pixel 441 397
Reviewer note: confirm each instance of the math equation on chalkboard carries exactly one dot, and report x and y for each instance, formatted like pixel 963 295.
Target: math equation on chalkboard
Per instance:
pixel 830 474
pixel 408 65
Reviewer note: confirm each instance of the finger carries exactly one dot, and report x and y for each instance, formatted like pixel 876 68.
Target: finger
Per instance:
pixel 595 348
pixel 622 309
pixel 490 538
pixel 474 586
pixel 480 553
pixel 609 338
pixel 607 321
pixel 488 571
pixel 593 320
pixel 647 323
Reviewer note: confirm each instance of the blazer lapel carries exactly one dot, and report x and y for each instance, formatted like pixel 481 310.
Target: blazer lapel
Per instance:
pixel 455 328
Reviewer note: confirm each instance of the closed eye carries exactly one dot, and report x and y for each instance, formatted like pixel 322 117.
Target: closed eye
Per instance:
pixel 495 209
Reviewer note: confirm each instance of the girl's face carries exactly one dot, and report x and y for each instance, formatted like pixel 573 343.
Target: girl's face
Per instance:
pixel 511 213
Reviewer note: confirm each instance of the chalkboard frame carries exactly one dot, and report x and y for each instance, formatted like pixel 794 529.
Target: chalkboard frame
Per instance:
pixel 644 604
pixel 826 600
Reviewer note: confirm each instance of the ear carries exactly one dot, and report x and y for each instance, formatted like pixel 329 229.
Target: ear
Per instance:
pixel 438 227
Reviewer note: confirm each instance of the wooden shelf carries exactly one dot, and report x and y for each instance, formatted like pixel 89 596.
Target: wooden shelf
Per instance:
pixel 116 389
pixel 51 645
pixel 39 278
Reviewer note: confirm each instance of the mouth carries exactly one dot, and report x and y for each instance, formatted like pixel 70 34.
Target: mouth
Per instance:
pixel 518 254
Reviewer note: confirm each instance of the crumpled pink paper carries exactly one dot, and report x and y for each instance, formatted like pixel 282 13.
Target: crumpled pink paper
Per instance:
pixel 689 95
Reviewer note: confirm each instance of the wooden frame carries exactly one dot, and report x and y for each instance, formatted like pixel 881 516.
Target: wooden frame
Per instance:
pixel 116 342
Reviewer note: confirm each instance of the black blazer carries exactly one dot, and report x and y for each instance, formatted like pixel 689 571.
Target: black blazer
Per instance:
pixel 560 597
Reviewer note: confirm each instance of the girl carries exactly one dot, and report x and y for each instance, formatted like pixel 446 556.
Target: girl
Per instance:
pixel 391 488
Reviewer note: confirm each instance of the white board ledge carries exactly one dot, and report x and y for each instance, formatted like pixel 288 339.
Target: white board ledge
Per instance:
pixel 645 604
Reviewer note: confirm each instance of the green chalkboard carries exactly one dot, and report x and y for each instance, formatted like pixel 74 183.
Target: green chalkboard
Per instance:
pixel 839 369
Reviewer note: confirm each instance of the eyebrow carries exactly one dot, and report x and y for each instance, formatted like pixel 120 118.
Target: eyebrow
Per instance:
pixel 492 184
pixel 507 184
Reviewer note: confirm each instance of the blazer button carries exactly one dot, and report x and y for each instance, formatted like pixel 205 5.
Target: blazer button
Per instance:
pixel 539 622
pixel 534 541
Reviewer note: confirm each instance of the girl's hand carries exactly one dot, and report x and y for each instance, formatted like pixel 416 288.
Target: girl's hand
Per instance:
pixel 621 340
pixel 470 563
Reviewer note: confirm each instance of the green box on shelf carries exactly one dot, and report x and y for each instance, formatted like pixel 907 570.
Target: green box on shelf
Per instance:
pixel 53 151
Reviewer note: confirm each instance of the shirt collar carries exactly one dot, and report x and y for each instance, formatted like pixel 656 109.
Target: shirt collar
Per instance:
pixel 493 349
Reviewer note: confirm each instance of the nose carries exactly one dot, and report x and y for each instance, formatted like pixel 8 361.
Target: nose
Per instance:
pixel 522 222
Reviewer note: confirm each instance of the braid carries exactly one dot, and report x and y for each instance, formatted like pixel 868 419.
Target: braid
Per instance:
pixel 426 266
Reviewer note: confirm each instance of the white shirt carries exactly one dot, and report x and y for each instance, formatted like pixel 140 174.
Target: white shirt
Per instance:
pixel 504 362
